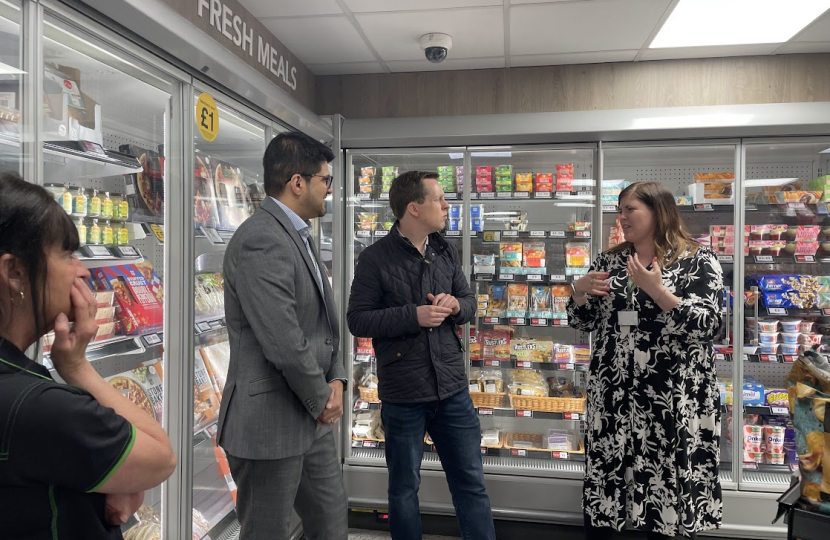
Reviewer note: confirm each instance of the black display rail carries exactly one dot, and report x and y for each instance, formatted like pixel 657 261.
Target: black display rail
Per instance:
pixel 525 413
pixel 540 277
pixel 526 364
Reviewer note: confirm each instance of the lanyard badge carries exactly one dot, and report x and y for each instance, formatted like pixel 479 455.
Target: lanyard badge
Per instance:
pixel 629 317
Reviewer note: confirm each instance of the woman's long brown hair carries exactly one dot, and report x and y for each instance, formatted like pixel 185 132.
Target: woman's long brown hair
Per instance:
pixel 671 238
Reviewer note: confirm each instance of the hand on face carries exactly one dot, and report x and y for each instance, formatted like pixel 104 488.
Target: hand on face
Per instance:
pixel 649 281
pixel 69 349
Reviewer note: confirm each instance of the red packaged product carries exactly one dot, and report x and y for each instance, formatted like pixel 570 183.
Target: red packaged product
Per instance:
pixel 564 171
pixel 138 301
pixel 484 170
pixel 495 345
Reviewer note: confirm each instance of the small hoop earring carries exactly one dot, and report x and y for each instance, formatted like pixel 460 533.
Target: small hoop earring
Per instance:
pixel 20 301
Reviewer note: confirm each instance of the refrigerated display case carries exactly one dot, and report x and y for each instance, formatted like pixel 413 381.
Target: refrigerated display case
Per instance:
pixel 786 191
pixel 227 189
pixel 11 85
pixel 105 121
pixel 521 218
pixel 702 176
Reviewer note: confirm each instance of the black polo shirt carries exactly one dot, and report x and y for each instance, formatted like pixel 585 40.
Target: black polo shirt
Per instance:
pixel 57 446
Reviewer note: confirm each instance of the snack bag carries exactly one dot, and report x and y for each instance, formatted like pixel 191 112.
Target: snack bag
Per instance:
pixel 517 300
pixel 808 386
pixel 540 302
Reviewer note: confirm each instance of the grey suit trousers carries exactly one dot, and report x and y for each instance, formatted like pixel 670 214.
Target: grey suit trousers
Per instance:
pixel 311 484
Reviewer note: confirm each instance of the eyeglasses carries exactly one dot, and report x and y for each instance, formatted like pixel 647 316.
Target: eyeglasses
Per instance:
pixel 328 179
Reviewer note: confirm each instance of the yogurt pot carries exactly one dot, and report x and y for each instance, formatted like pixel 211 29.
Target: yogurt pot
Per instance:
pixel 771 348
pixel 791 325
pixel 752 438
pixel 775 459
pixel 768 325
pixel 774 439
pixel 790 337
pixel 768 338
pixel 753 457
pixel 806 327
pixel 810 339
pixel 790 349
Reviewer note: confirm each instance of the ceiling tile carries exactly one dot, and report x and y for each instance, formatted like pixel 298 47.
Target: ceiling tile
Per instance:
pixel 376 6
pixel 709 52
pixel 594 57
pixel 291 8
pixel 403 66
pixel 320 40
pixel 349 68
pixel 818 31
pixel 583 26
pixel 803 47
pixel 476 33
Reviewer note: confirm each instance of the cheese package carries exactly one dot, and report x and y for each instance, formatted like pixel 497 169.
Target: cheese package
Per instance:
pixel 138 300
pixel 143 386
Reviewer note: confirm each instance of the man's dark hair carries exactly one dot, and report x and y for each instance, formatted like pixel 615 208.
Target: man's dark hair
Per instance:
pixel 289 154
pixel 31 223
pixel 407 188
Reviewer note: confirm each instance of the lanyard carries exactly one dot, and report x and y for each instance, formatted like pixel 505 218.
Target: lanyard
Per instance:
pixel 629 294
pixel 24 369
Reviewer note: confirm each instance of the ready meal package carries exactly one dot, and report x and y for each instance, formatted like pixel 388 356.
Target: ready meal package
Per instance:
pixel 497 305
pixel 142 386
pixel 205 401
pixel 533 254
pixel 511 257
pixel 149 183
pixel 808 386
pixel 540 302
pixel 205 213
pixel 717 185
pixel 217 359
pixel 232 196
pixel 138 301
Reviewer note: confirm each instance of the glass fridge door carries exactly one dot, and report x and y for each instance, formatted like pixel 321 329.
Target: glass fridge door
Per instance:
pixel 786 271
pixel 530 222
pixel 369 175
pixel 702 177
pixel 105 123
pixel 228 188
pixel 11 78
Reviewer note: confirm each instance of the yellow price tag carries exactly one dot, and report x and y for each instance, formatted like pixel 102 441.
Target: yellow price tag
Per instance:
pixel 158 231
pixel 207 117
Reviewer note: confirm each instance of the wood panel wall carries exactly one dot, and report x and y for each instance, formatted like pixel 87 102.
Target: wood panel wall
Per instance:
pixel 672 83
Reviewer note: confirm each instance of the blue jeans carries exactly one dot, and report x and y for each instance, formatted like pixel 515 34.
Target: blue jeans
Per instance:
pixel 456 431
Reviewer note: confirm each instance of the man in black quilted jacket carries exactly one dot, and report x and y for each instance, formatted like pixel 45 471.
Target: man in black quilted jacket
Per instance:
pixel 408 295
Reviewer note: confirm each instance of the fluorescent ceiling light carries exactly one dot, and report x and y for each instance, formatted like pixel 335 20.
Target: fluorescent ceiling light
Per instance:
pixel 764 182
pixel 825 151
pixel 577 204
pixel 492 154
pixel 456 156
pixel 6 69
pixel 699 23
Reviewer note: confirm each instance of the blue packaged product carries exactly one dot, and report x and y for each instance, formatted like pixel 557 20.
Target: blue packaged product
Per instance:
pixel 455 211
pixel 477 225
pixel 477 211
pixel 453 224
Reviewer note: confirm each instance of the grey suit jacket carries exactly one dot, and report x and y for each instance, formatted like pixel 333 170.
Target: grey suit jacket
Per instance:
pixel 284 340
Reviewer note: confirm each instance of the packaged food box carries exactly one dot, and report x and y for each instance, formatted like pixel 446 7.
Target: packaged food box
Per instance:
pixel 560 295
pixel 582 353
pixel 563 353
pixel 533 254
pixel 144 387
pixel 477 225
pixel 445 170
pixel 138 301
pixel 577 255
pixel 503 170
pixel 217 357
pixel 205 401
pixel 368 171
pixel 753 393
pixel 484 170
pixel 498 301
pixel 524 181
pixel 105 331
pixel 390 171
pixel 564 171
pixel 103 298
pixel 544 182
pixel 517 300
pixel 511 256
pixel 805 197
pixel 484 263
pixel 104 315
pixel 495 345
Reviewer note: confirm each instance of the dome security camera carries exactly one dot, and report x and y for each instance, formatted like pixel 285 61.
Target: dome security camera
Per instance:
pixel 436 46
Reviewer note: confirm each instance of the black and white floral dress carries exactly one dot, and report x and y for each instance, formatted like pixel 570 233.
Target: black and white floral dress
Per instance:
pixel 653 419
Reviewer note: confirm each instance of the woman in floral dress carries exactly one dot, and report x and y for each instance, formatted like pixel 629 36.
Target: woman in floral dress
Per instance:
pixel 653 419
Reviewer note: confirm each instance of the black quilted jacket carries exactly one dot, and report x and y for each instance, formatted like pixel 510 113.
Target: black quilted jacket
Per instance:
pixel 392 278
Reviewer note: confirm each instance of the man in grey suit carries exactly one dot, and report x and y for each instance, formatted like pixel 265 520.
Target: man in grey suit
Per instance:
pixel 285 385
